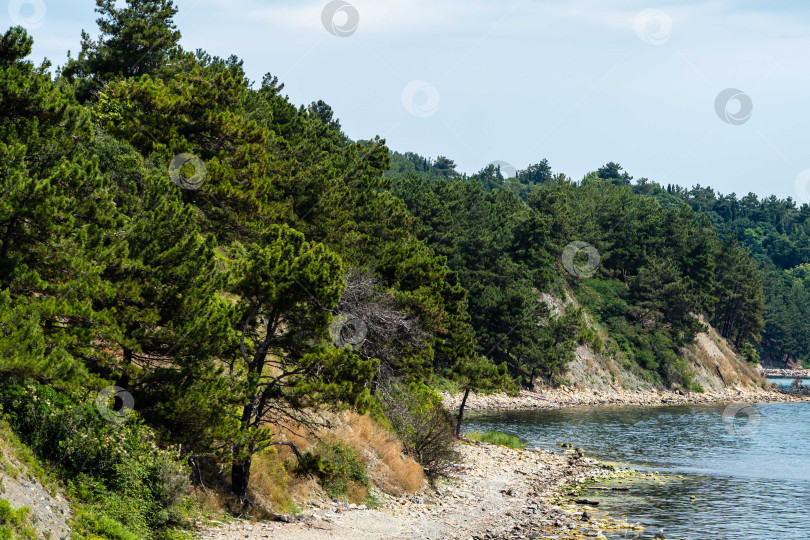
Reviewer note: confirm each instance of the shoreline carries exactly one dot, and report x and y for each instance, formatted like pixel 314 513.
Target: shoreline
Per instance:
pixel 495 493
pixel 559 398
pixel 785 373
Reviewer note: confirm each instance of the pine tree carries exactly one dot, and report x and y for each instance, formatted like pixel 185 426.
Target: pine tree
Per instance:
pixel 55 215
pixel 287 287
pixel 135 40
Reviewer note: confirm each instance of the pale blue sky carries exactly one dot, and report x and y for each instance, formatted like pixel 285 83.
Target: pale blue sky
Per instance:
pixel 575 81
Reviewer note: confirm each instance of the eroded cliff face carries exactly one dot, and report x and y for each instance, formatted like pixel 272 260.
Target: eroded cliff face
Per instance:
pixel 716 366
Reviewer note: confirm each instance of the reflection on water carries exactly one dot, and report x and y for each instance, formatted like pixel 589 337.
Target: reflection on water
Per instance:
pixel 747 467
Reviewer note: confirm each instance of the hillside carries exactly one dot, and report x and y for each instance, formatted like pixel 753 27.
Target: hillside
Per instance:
pixel 715 364
pixel 719 373
pixel 34 505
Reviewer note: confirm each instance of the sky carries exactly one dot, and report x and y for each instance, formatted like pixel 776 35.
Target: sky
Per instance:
pixel 711 93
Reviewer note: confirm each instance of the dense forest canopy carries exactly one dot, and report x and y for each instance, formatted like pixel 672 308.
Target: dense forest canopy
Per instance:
pixel 171 227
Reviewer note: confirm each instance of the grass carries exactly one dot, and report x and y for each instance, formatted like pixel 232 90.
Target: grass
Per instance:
pixel 496 437
pixel 357 453
pixel 389 468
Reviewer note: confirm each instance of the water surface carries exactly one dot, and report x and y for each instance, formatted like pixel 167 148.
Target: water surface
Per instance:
pixel 748 466
pixel 785 383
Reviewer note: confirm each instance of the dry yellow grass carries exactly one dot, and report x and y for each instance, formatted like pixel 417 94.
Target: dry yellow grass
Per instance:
pixel 389 468
pixel 275 488
pixel 272 483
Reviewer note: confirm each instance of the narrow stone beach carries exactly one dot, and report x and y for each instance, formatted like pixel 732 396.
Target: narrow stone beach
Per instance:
pixel 571 397
pixel 496 493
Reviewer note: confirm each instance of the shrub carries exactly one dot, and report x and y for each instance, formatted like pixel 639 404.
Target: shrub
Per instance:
pixel 422 424
pixel 115 471
pixel 338 468
pixel 15 524
pixel 270 480
pixel 497 437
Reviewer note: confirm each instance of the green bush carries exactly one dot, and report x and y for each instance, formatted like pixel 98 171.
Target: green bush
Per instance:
pixel 337 467
pixel 421 422
pixel 14 524
pixel 123 482
pixel 497 437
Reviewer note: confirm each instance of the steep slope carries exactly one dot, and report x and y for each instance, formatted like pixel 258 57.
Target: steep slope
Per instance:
pixel 714 363
pixel 48 510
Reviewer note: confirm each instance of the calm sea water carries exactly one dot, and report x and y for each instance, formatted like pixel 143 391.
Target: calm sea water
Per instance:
pixel 785 383
pixel 748 466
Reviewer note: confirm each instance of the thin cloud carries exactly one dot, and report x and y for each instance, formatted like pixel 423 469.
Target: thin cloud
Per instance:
pixel 401 17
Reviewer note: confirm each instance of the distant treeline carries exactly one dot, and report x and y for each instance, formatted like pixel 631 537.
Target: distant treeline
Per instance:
pixel 661 266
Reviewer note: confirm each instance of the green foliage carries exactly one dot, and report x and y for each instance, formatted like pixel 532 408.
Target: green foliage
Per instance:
pixel 114 471
pixel 497 437
pixel 774 233
pixel 336 466
pixel 54 212
pixel 660 266
pixel 15 523
pixel 134 40
pixel 421 422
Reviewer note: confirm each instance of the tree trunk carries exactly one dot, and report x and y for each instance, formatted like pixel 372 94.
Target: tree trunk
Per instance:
pixel 460 417
pixel 242 455
pixel 240 475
